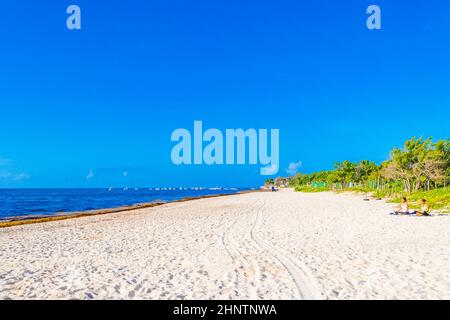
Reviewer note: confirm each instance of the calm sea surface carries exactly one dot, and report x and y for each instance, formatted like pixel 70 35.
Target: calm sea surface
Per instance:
pixel 23 202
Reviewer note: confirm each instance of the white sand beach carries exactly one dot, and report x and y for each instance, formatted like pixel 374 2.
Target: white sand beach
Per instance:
pixel 262 245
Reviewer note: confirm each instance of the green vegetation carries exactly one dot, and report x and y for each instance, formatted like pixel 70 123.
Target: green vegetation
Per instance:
pixel 307 188
pixel 421 169
pixel 437 199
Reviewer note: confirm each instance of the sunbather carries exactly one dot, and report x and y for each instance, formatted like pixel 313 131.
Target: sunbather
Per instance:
pixel 425 209
pixel 404 208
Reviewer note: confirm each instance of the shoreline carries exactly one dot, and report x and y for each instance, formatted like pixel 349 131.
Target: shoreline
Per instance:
pixel 24 220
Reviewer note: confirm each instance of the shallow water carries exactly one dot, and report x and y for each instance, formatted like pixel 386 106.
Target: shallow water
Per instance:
pixel 24 202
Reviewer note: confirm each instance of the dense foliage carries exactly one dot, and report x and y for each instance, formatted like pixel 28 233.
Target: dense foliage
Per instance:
pixel 420 166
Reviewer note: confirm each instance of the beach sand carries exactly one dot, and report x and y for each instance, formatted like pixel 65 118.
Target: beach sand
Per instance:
pixel 261 245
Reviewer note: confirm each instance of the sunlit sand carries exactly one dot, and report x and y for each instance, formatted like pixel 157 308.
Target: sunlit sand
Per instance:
pixel 262 245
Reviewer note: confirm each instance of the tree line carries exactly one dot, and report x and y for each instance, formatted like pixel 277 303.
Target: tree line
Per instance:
pixel 421 164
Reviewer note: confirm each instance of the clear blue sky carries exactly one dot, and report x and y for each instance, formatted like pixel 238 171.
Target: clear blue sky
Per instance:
pixel 107 98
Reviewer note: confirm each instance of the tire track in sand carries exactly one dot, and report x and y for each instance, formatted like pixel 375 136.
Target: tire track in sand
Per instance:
pixel 304 281
pixel 242 260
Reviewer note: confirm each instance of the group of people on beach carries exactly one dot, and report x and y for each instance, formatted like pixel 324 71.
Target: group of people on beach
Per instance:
pixel 404 208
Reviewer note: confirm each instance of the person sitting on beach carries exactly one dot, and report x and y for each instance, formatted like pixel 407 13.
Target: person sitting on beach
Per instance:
pixel 425 209
pixel 404 208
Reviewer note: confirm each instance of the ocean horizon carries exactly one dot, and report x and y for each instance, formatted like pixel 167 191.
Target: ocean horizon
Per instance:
pixel 20 203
